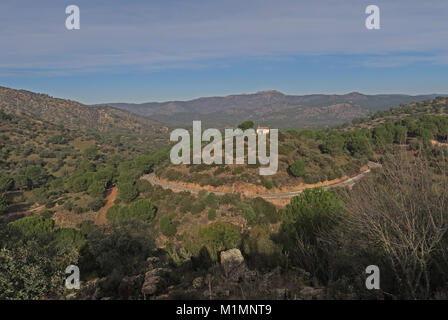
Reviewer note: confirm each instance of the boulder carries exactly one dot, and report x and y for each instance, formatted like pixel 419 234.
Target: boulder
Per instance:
pixel 233 264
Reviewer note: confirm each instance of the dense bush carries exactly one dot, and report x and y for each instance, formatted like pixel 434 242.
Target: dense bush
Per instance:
pixel 211 214
pixel 297 168
pixel 215 238
pixel 96 189
pixel 142 210
pixel 127 192
pixel 33 226
pixel 304 235
pixel 167 226
pixel 6 183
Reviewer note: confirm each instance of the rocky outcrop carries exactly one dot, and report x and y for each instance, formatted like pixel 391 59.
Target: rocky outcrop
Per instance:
pixel 234 267
pixel 154 281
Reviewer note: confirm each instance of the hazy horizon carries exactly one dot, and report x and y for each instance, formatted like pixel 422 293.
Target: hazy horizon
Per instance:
pixel 138 51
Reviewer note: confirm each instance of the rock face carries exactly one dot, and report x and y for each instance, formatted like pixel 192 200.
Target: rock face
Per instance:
pixel 234 266
pixel 231 261
pixel 153 281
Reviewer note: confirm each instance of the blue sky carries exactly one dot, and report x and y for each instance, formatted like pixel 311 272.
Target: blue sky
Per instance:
pixel 137 51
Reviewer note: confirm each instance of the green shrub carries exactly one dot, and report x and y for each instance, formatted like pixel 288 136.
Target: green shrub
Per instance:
pixel 96 189
pixel 211 199
pixel 90 153
pixel 127 192
pixel 248 124
pixel 310 219
pixel 143 210
pixel 96 204
pixel 4 203
pixel 267 183
pixel 55 139
pixel 6 183
pixel 249 214
pixel 266 209
pixel 212 214
pixel 215 238
pixel 297 168
pixel 167 226
pixel 33 226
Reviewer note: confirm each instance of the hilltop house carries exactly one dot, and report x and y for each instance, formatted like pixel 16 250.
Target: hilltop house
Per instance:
pixel 262 130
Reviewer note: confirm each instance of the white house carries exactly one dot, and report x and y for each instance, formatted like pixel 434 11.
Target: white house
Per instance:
pixel 262 130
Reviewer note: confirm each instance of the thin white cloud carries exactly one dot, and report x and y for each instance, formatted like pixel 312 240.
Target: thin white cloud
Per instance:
pixel 171 33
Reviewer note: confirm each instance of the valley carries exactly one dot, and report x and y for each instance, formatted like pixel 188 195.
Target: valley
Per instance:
pixel 105 196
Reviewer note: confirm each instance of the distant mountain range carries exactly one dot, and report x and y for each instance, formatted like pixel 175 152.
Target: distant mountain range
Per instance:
pixel 74 115
pixel 269 107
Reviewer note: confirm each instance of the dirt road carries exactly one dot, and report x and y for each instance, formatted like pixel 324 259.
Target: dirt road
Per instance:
pixel 110 200
pixel 348 182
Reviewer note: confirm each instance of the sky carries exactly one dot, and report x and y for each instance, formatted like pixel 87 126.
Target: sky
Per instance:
pixel 159 50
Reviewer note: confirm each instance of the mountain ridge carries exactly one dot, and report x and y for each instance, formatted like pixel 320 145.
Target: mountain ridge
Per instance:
pixel 269 107
pixel 75 115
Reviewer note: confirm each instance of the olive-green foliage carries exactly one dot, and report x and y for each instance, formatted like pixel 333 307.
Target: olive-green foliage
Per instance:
pixel 167 226
pixel 144 163
pixel 28 273
pixel 211 199
pixel 246 125
pixel 96 189
pixel 142 210
pixel 4 203
pixel 297 168
pixel 265 209
pixel 69 236
pixel 127 192
pixel 36 175
pixel 333 144
pixel 216 237
pixel 260 250
pixel 401 134
pixel 106 175
pixel 267 183
pixel 33 226
pixel 91 153
pixel 310 219
pixel 96 204
pixel 6 183
pixel 357 144
pixel 212 214
pixel 123 250
pixel 382 135
pixel 126 178
pixel 40 195
pixel 21 182
pixel 249 214
pixel 55 139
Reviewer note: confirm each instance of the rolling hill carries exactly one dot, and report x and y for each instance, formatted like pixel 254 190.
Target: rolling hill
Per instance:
pixel 76 116
pixel 271 108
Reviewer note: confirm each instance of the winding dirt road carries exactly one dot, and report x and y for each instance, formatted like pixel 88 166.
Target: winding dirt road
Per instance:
pixel 283 195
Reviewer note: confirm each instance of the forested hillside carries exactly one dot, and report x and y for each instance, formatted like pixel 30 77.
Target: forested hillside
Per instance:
pixel 69 197
pixel 74 115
